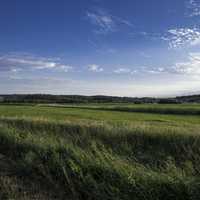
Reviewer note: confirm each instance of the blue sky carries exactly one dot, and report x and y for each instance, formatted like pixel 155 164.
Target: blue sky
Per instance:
pixel 109 47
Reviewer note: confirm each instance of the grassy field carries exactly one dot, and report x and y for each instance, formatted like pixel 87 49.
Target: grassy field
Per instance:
pixel 100 151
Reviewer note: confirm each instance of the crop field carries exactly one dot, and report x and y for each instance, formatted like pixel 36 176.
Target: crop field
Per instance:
pixel 100 152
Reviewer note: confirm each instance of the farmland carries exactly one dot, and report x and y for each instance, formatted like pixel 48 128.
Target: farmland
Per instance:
pixel 100 151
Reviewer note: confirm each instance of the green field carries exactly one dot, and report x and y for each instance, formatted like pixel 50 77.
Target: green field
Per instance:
pixel 100 152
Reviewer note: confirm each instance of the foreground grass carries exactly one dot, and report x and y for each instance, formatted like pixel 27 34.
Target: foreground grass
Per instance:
pixel 66 154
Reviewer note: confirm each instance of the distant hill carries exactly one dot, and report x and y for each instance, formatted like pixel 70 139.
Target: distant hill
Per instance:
pixel 45 98
pixel 191 98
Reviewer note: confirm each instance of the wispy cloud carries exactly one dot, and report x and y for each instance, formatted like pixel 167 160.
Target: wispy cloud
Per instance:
pixel 141 70
pixel 182 37
pixel 146 35
pixel 95 68
pixel 193 7
pixel 156 70
pixel 122 71
pixel 16 63
pixel 144 54
pixel 104 22
pixel 190 67
pixel 65 68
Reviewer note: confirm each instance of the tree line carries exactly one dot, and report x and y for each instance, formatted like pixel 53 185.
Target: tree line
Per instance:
pixel 64 99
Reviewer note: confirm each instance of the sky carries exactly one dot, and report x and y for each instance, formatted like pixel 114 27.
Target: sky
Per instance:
pixel 130 48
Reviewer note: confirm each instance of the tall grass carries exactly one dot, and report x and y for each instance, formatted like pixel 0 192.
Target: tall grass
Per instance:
pixel 99 160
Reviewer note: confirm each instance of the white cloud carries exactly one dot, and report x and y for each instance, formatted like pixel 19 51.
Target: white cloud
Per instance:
pixel 193 8
pixel 16 63
pixel 190 67
pixel 95 68
pixel 182 37
pixel 105 22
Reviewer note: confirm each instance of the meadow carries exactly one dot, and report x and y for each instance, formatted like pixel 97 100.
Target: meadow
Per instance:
pixel 100 151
